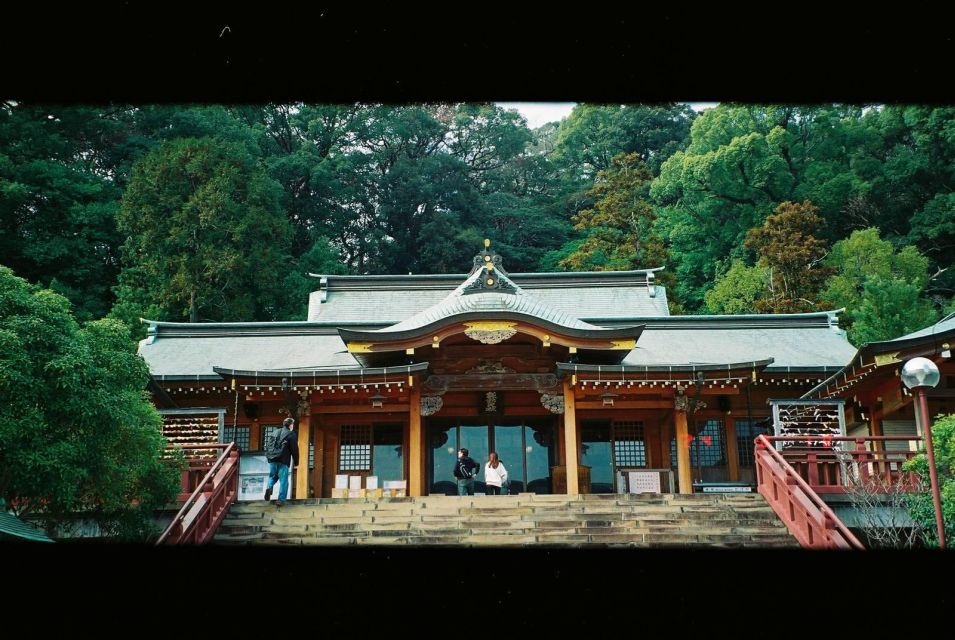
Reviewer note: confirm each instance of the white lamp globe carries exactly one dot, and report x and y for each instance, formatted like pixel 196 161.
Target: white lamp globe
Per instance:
pixel 920 372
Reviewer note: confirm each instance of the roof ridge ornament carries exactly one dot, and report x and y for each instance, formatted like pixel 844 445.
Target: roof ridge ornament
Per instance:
pixel 492 276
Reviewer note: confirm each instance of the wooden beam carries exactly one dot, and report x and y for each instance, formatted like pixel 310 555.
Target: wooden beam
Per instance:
pixel 732 453
pixel 416 445
pixel 717 391
pixel 682 452
pixel 570 439
pixel 301 471
pixel 361 408
pixel 625 404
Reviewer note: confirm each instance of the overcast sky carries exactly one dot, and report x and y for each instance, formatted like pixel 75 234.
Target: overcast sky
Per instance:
pixel 538 113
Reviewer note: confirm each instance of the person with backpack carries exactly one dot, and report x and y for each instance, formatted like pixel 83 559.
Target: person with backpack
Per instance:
pixel 464 471
pixel 280 451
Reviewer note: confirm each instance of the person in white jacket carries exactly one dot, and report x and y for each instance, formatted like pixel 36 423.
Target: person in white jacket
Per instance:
pixel 495 475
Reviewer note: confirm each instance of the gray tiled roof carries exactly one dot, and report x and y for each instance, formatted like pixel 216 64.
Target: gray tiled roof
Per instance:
pixel 195 354
pixel 798 340
pixel 945 324
pixel 392 299
pixel 788 346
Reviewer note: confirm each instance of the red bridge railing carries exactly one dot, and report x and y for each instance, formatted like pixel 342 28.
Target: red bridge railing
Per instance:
pixel 840 464
pixel 199 459
pixel 806 516
pixel 205 508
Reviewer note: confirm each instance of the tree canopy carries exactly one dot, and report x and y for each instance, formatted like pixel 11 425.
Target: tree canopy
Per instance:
pixel 78 433
pixel 98 202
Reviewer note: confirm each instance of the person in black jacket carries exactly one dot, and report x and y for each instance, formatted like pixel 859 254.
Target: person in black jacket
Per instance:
pixel 280 453
pixel 464 471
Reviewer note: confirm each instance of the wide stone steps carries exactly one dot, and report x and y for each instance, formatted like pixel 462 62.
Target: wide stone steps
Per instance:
pixel 647 520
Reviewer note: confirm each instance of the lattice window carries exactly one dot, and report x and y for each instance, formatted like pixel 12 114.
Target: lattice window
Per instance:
pixel 311 455
pixel 629 447
pixel 241 437
pixel 746 432
pixel 709 445
pixel 354 450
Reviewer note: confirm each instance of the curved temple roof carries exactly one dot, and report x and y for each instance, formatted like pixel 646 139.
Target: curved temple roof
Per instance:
pixel 489 293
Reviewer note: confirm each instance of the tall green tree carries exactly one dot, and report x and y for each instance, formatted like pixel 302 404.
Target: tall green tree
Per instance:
pixel 891 307
pixel 742 162
pixel 592 135
pixel 619 228
pixel 78 433
pixel 863 263
pixel 58 203
pixel 789 250
pixel 205 234
pixel 738 289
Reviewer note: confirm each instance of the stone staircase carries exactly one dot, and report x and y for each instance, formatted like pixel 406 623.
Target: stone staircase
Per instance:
pixel 646 520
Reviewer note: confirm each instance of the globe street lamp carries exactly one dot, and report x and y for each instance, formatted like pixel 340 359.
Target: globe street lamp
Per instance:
pixel 919 374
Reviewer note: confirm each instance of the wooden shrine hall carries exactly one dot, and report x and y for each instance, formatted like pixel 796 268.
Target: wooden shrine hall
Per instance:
pixel 574 379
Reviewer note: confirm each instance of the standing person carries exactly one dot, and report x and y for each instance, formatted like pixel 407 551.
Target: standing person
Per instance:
pixel 279 453
pixel 495 475
pixel 464 471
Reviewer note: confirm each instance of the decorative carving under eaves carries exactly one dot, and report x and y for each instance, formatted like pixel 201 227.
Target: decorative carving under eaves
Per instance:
pixel 681 402
pixel 490 366
pixel 553 402
pixel 304 405
pixel 490 332
pixel 430 405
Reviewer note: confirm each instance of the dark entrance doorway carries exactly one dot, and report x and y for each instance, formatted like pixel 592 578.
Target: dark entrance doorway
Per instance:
pixel 525 446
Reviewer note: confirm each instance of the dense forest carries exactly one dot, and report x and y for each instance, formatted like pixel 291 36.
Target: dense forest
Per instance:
pixel 217 213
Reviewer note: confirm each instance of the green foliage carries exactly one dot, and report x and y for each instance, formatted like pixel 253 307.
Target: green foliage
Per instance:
pixel 204 233
pixel 890 308
pixel 592 135
pixel 57 206
pixel 789 250
pixel 381 185
pixel 742 163
pixel 921 507
pixel 619 227
pixel 738 290
pixel 866 265
pixel 77 430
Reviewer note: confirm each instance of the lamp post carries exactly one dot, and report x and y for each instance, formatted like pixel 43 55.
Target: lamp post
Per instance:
pixel 919 374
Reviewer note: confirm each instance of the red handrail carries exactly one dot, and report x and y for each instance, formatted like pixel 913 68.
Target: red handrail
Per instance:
pixel 803 512
pixel 831 469
pixel 198 465
pixel 202 513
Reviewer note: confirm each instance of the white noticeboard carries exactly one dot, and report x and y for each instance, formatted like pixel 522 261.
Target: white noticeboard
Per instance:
pixel 253 474
pixel 644 481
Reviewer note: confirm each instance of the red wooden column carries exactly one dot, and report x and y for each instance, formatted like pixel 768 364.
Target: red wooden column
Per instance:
pixel 415 445
pixel 301 471
pixel 682 451
pixel 570 439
